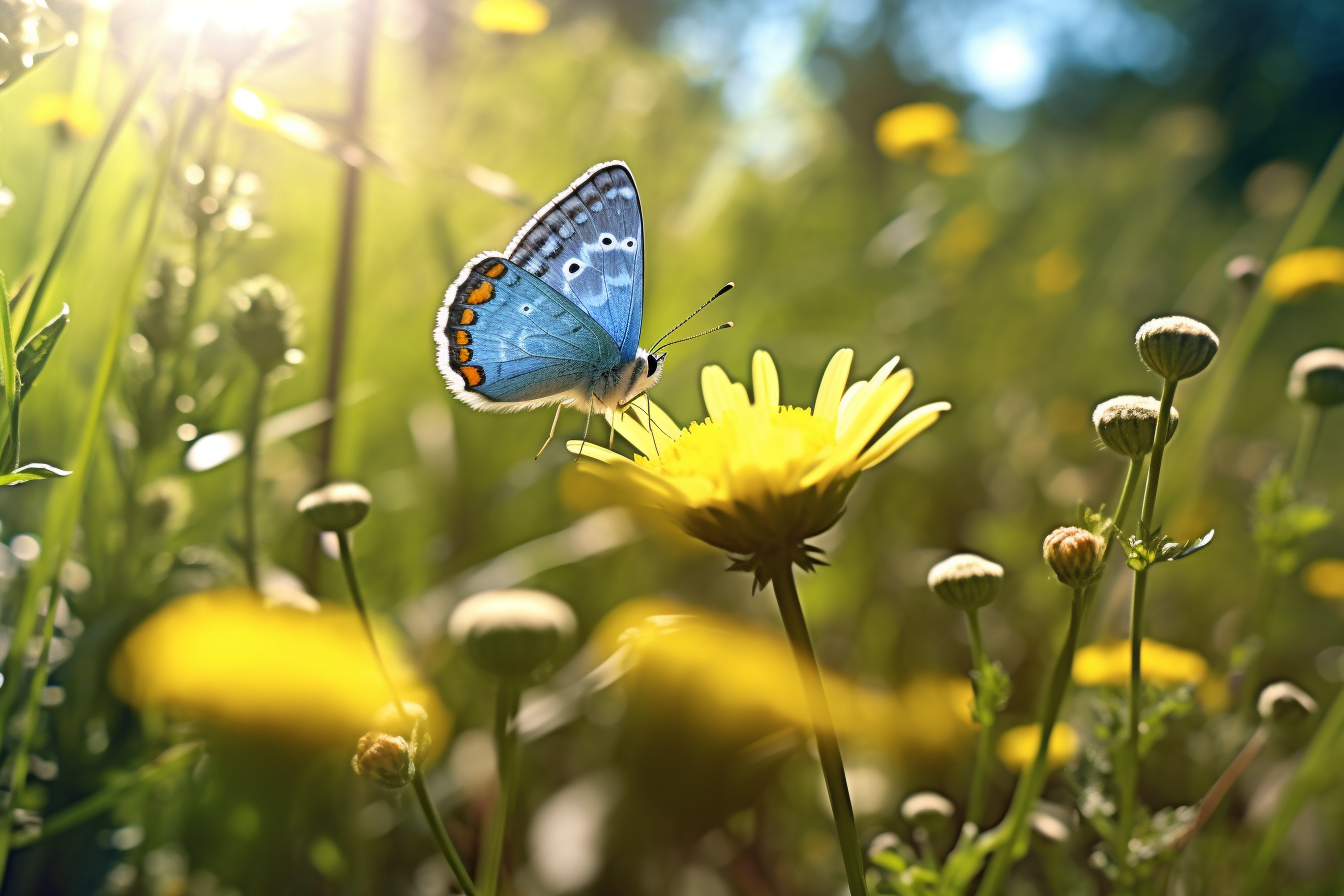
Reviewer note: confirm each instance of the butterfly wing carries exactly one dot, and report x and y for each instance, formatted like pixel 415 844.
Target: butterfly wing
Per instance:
pixel 588 244
pixel 507 341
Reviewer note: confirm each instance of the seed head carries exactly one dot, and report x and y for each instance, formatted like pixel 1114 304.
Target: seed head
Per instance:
pixel 1318 378
pixel 1282 701
pixel 1074 554
pixel 1127 424
pixel 512 634
pixel 337 507
pixel 385 758
pixel 1245 271
pixel 966 581
pixel 265 322
pixel 1176 348
pixel 926 806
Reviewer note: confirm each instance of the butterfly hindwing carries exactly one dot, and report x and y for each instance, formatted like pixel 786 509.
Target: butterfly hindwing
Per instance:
pixel 588 244
pixel 505 338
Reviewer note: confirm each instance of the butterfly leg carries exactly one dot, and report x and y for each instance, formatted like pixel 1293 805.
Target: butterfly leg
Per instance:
pixel 611 435
pixel 587 421
pixel 554 423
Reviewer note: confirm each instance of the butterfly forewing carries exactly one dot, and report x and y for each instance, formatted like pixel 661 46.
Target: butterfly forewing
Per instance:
pixel 588 244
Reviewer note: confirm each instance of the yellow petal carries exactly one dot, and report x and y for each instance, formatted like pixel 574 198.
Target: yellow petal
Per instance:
pixel 909 426
pixel 633 432
pixel 862 397
pixel 596 452
pixel 665 429
pixel 764 380
pixel 833 385
pixel 740 399
pixel 868 411
pixel 718 391
pixel 623 465
pixel 855 389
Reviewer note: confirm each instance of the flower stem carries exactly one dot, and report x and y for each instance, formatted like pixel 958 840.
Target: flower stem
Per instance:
pixel 980 775
pixel 828 747
pixel 1030 784
pixel 427 806
pixel 256 409
pixel 1127 493
pixel 506 752
pixel 1130 764
pixel 1306 445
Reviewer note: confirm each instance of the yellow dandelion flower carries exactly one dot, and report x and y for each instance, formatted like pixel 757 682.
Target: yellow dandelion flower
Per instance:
pixel 1018 746
pixel 908 129
pixel 1107 664
pixel 510 16
pixel 759 478
pixel 1057 271
pixel 227 659
pixel 1300 273
pixel 1325 578
pixel 77 116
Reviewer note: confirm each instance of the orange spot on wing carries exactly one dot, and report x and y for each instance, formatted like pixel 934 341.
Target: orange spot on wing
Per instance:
pixel 473 375
pixel 463 355
pixel 462 337
pixel 482 293
pixel 495 271
pixel 467 316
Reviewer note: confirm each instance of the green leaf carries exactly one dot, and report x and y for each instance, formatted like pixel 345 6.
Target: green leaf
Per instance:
pixel 35 352
pixel 31 473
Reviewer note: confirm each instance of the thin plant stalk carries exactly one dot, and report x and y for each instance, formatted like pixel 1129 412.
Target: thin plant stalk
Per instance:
pixel 256 409
pixel 427 807
pixel 13 387
pixel 128 101
pixel 1209 804
pixel 1306 445
pixel 828 746
pixel 1129 788
pixel 506 751
pixel 983 753
pixel 1030 784
pixel 1127 493
pixel 63 508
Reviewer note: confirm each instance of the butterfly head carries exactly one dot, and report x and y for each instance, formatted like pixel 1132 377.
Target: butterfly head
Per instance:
pixel 644 373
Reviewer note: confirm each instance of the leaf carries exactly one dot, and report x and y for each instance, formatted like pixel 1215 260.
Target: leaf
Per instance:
pixel 32 473
pixel 35 352
pixel 1173 551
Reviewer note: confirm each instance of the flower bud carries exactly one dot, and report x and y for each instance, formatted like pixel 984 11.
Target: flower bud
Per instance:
pixel 266 320
pixel 384 758
pixel 514 633
pixel 1282 701
pixel 1176 348
pixel 1318 378
pixel 927 807
pixel 966 581
pixel 1074 554
pixel 1127 424
pixel 407 720
pixel 1246 271
pixel 337 507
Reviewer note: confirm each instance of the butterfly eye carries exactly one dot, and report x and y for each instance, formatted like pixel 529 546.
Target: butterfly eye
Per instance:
pixel 629 243
pixel 573 268
pixel 653 365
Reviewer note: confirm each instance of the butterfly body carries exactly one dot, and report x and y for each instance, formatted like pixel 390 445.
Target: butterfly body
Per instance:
pixel 555 318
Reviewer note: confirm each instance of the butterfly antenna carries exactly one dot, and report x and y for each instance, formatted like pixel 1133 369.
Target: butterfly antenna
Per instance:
pixel 727 326
pixel 648 423
pixel 727 286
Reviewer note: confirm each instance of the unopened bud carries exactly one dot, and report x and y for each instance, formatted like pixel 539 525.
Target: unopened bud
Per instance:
pixel 1127 424
pixel 514 633
pixel 265 322
pixel 1318 378
pixel 407 720
pixel 1245 271
pixel 1074 554
pixel 337 507
pixel 927 806
pixel 385 758
pixel 966 581
pixel 1176 348
pixel 1282 701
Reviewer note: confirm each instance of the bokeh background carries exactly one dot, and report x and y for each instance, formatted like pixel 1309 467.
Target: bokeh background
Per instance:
pixel 1110 158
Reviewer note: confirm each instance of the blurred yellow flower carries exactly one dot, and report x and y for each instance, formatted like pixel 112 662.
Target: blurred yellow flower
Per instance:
pixel 1018 746
pixel 949 158
pixel 225 658
pixel 1214 694
pixel 970 232
pixel 510 16
pixel 908 129
pixel 1057 271
pixel 1325 578
pixel 79 116
pixel 734 676
pixel 1107 663
pixel 1300 273
pixel 758 478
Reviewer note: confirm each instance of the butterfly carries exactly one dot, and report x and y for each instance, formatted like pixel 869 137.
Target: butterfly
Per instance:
pixel 555 318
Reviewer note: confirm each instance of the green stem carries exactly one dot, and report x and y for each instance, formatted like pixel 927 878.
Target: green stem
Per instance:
pixel 256 409
pixel 13 387
pixel 1030 784
pixel 1127 493
pixel 1130 766
pixel 980 775
pixel 1320 763
pixel 148 65
pixel 431 812
pixel 780 570
pixel 506 752
pixel 1306 445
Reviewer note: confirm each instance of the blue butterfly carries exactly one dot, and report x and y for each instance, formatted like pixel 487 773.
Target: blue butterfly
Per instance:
pixel 555 318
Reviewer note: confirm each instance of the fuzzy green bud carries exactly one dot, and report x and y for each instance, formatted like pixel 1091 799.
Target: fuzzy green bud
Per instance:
pixel 1074 554
pixel 384 758
pixel 966 581
pixel 512 634
pixel 1176 348
pixel 337 507
pixel 1318 378
pixel 266 320
pixel 1127 424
